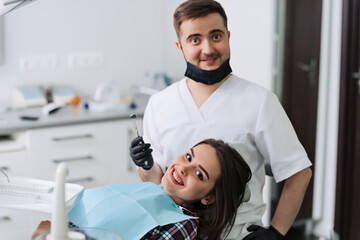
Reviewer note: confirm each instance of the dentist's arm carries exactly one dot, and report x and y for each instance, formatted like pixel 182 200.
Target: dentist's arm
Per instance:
pixel 153 175
pixel 290 200
pixel 140 153
pixel 289 205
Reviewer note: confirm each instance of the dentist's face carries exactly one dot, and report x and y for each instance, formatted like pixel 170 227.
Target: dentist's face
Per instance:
pixel 204 42
pixel 192 176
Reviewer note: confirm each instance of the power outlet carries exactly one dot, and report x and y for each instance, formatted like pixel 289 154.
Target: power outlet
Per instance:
pixel 85 60
pixel 38 62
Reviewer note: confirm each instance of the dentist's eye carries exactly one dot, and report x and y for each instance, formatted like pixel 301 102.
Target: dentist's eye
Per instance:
pixel 199 175
pixel 194 40
pixel 216 37
pixel 188 157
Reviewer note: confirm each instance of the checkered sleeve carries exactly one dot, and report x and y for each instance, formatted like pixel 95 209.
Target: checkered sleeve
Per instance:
pixel 186 230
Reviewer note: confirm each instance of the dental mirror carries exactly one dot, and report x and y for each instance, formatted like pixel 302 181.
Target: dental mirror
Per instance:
pixel 136 131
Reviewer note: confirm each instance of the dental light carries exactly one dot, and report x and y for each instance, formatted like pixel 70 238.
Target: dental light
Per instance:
pixel 7 6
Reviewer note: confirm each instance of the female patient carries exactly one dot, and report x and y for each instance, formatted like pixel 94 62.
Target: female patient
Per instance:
pixel 209 182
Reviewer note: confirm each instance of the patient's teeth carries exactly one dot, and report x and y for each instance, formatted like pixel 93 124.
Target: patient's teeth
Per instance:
pixel 177 180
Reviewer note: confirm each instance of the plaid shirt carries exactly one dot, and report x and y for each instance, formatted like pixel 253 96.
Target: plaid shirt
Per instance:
pixel 186 230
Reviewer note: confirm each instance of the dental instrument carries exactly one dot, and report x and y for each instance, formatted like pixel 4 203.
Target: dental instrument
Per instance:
pixel 133 116
pixel 136 131
pixel 7 6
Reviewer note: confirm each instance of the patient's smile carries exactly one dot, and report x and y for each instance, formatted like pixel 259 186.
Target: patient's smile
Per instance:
pixel 177 178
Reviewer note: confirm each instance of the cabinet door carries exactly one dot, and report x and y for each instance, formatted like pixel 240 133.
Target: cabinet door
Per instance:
pixel 96 153
pixel 88 166
pixel 13 154
pixel 14 163
pixel 72 136
pixel 19 225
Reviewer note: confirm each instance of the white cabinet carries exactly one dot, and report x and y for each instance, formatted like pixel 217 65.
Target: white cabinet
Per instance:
pixel 19 225
pixel 14 163
pixel 96 153
pixel 14 154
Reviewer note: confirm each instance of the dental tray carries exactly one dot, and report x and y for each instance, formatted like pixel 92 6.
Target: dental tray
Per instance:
pixel 32 194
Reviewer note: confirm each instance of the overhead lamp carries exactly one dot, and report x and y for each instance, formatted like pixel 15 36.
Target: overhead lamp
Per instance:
pixel 7 6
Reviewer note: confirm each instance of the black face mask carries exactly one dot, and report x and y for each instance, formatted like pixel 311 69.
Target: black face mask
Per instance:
pixel 208 77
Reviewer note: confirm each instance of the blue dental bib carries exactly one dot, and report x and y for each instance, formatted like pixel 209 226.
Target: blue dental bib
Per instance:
pixel 128 209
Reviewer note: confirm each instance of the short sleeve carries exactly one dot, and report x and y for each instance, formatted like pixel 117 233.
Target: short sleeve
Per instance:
pixel 277 140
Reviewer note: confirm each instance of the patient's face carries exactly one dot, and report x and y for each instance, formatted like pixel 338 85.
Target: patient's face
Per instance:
pixel 191 176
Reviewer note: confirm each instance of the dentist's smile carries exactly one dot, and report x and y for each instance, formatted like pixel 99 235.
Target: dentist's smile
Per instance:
pixel 209 60
pixel 211 57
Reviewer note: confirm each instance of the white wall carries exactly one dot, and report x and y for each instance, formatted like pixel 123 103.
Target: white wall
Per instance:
pixel 127 32
pixel 135 36
pixel 251 26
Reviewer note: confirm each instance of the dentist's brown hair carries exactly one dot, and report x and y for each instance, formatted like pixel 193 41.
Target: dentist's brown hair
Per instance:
pixel 193 9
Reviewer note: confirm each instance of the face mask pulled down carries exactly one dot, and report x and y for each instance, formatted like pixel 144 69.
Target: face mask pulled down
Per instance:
pixel 208 77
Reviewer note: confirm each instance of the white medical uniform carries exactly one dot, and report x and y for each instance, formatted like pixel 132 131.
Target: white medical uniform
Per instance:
pixel 243 114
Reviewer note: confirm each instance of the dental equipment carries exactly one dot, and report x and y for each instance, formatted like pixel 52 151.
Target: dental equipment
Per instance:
pixel 32 194
pixel 7 6
pixel 53 107
pixel 21 184
pixel 136 131
pixel 59 229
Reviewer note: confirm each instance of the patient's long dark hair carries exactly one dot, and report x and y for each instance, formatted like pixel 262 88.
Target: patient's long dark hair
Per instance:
pixel 217 218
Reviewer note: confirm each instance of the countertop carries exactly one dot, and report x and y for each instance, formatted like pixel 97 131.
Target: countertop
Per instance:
pixel 11 121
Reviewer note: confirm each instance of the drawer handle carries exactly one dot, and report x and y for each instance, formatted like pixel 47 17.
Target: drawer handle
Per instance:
pixel 72 159
pixel 77 180
pixel 5 219
pixel 84 136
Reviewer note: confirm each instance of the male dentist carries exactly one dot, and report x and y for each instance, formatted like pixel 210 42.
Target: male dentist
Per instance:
pixel 211 102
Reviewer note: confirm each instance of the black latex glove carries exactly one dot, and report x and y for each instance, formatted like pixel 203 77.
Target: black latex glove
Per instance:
pixel 261 233
pixel 140 153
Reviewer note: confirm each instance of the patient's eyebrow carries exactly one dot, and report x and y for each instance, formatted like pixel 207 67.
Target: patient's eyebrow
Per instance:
pixel 207 174
pixel 201 167
pixel 192 152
